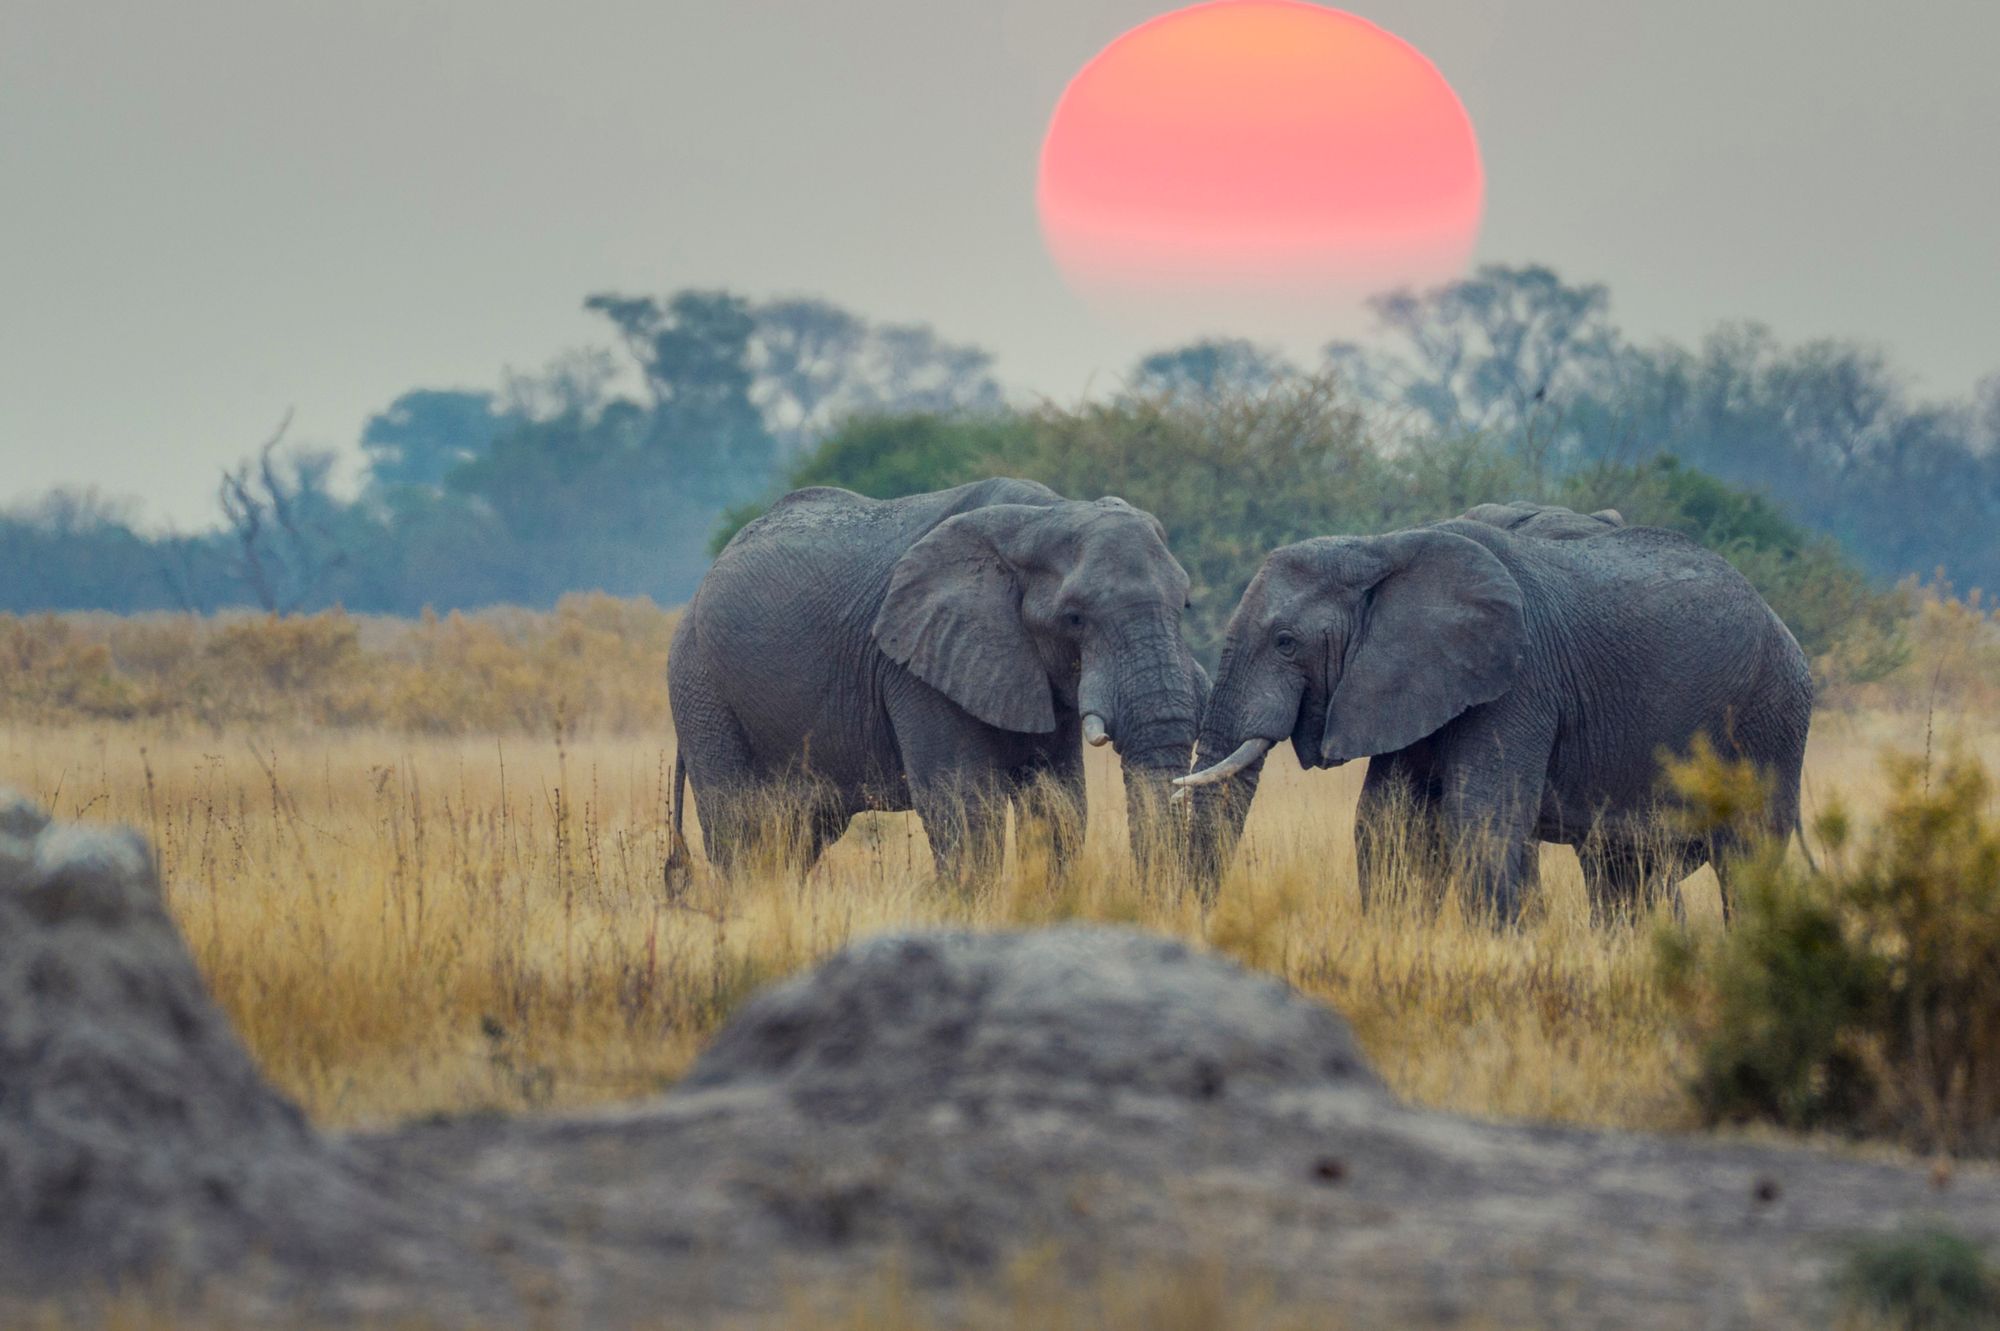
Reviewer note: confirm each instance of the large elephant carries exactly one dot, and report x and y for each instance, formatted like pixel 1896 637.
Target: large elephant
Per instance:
pixel 946 652
pixel 1507 689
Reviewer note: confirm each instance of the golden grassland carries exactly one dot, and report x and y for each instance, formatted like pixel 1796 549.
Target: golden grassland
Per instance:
pixel 594 661
pixel 419 863
pixel 408 924
pixel 596 664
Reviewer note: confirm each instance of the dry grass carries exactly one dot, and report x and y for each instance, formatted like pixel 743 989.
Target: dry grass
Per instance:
pixel 594 664
pixel 420 866
pixel 1035 1293
pixel 405 924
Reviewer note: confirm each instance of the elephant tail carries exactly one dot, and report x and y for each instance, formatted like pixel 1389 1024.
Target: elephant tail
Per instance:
pixel 680 865
pixel 1798 828
pixel 1812 861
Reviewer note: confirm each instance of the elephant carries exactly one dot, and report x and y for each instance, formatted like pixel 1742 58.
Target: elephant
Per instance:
pixel 1507 689
pixel 1549 521
pixel 945 652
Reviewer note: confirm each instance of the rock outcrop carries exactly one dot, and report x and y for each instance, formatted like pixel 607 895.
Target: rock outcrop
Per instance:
pixel 138 1142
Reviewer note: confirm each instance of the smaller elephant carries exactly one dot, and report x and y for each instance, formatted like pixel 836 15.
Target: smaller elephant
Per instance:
pixel 1549 521
pixel 1506 690
pixel 948 653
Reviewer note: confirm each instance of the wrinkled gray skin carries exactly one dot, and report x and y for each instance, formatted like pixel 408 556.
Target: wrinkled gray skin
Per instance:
pixel 1549 521
pixel 936 653
pixel 1510 689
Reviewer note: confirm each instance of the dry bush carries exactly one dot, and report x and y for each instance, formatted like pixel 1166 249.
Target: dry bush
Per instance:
pixel 51 667
pixel 595 664
pixel 1953 665
pixel 1864 995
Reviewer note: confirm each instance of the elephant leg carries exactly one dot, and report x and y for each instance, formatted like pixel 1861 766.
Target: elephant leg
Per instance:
pixel 967 826
pixel 1396 827
pixel 1049 809
pixel 1722 852
pixel 825 822
pixel 1502 872
pixel 1492 795
pixel 960 781
pixel 720 766
pixel 1614 873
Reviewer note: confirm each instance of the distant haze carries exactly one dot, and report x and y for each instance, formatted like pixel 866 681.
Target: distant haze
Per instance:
pixel 218 209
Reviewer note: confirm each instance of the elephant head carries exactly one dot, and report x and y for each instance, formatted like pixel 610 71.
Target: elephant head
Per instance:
pixel 1034 616
pixel 1349 647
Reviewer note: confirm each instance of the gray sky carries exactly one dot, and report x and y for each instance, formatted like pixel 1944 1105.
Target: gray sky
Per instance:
pixel 216 209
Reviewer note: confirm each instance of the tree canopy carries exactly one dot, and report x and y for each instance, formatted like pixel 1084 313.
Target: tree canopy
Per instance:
pixel 1816 466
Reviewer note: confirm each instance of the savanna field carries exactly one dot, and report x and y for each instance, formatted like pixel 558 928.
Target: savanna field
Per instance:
pixel 419 863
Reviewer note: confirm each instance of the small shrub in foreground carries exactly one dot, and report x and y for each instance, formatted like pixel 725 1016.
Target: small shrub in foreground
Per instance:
pixel 1925 1280
pixel 1862 996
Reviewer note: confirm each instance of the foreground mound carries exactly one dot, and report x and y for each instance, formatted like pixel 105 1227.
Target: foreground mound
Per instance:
pixel 1071 1017
pixel 939 1104
pixel 137 1140
pixel 944 1103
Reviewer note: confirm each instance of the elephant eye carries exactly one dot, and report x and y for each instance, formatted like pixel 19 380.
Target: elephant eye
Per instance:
pixel 1073 619
pixel 1285 642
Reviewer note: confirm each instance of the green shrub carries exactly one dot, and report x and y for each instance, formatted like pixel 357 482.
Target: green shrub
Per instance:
pixel 1234 473
pixel 1922 1280
pixel 1862 996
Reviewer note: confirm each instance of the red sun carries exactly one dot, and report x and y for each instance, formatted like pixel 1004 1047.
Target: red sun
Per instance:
pixel 1264 146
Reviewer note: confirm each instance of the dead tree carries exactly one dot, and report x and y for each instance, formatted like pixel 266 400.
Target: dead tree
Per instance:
pixel 284 552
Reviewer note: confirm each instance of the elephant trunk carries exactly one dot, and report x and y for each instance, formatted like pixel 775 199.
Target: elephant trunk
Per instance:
pixel 1217 812
pixel 1154 705
pixel 1159 843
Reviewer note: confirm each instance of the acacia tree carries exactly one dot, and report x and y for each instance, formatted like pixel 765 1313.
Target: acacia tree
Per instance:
pixel 421 437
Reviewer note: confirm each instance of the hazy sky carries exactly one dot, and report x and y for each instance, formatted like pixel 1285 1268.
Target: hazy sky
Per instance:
pixel 217 209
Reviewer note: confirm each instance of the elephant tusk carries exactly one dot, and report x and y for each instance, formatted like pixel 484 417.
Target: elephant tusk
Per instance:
pixel 1248 752
pixel 1094 733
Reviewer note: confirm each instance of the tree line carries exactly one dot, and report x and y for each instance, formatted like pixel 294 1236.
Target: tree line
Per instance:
pixel 616 468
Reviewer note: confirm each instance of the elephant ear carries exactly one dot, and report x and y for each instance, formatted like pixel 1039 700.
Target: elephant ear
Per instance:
pixel 953 617
pixel 1442 631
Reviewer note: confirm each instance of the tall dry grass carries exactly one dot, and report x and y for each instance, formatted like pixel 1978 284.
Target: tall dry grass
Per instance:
pixel 419 863
pixel 405 924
